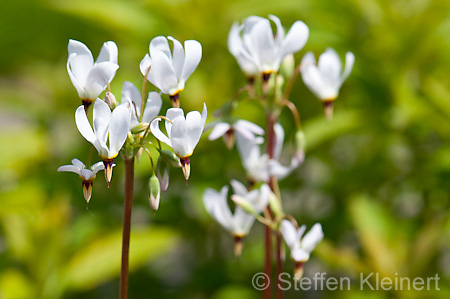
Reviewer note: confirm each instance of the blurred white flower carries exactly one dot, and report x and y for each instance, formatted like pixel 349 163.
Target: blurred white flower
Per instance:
pixel 325 78
pixel 91 78
pixel 87 175
pixel 132 97
pixel 170 70
pixel 110 131
pixel 260 167
pixel 240 222
pixel 183 134
pixel 258 49
pixel 242 127
pixel 299 245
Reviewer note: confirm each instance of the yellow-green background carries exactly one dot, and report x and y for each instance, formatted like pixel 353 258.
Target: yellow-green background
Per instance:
pixel 376 177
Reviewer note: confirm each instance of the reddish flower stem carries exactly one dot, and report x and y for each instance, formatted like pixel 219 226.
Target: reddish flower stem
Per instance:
pixel 129 186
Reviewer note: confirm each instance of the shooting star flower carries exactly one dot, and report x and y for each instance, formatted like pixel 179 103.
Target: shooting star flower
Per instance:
pixel 242 127
pixel 91 78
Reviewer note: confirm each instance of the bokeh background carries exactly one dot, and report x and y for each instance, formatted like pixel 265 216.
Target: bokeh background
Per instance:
pixel 376 176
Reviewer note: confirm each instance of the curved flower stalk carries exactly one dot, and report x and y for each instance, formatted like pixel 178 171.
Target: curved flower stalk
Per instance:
pixel 133 99
pixel 168 70
pixel 183 133
pixel 260 167
pixel 87 175
pixel 299 245
pixel 242 127
pixel 91 78
pixel 239 223
pixel 109 133
pixel 325 78
pixel 258 50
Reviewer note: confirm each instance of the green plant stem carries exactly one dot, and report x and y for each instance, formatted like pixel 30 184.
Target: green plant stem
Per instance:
pixel 129 186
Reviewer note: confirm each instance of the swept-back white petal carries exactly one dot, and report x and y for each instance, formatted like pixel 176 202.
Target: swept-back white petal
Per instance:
pixel 153 107
pixel 312 238
pixel 242 222
pixel 97 167
pixel 83 125
pixel 295 39
pixel 193 55
pixel 156 131
pixel 171 114
pixel 249 126
pixel 279 37
pixel 108 52
pixel 219 129
pixel 145 64
pixel 178 56
pixel 289 233
pixel 97 79
pixel 349 61
pixel 279 140
pixel 70 168
pixel 118 129
pixel 239 188
pixel 77 83
pixel 330 67
pixel 162 73
pixel 216 205
pixel 130 91
pixel 194 128
pixel 263 45
pixel 87 174
pixel 181 143
pixel 160 44
pixel 78 163
pixel 101 117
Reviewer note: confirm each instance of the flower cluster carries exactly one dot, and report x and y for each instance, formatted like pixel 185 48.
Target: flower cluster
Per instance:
pixel 127 127
pixel 266 59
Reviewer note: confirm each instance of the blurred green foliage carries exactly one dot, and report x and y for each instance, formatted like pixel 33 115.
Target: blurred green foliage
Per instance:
pixel 376 176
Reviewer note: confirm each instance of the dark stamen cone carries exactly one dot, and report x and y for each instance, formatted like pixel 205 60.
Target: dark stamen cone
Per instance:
pixel 86 103
pixel 328 109
pixel 265 82
pixel 108 163
pixel 175 99
pixel 87 191
pixel 237 246
pixel 229 138
pixel 298 271
pixel 186 167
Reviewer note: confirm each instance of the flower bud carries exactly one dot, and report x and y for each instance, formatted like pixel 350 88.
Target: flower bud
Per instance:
pixel 287 66
pixel 155 192
pixel 300 145
pixel 162 172
pixel 139 128
pixel 244 204
pixel 110 99
pixel 170 158
pixel 275 206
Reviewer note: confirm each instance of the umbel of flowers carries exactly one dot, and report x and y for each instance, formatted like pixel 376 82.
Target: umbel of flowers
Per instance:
pixel 130 128
pixel 267 61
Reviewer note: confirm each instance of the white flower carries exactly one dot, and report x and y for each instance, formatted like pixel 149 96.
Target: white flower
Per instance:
pixel 325 79
pixel 258 50
pixel 183 134
pixel 301 246
pixel 260 167
pixel 110 131
pixel 170 70
pixel 239 223
pixel 87 175
pixel 90 79
pixel 132 97
pixel 245 128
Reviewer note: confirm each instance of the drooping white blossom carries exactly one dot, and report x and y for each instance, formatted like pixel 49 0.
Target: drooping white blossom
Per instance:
pixel 109 133
pixel 169 70
pixel 258 50
pixel 133 98
pixel 240 222
pixel 301 245
pixel 91 78
pixel 241 127
pixel 183 133
pixel 86 174
pixel 260 167
pixel 326 77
